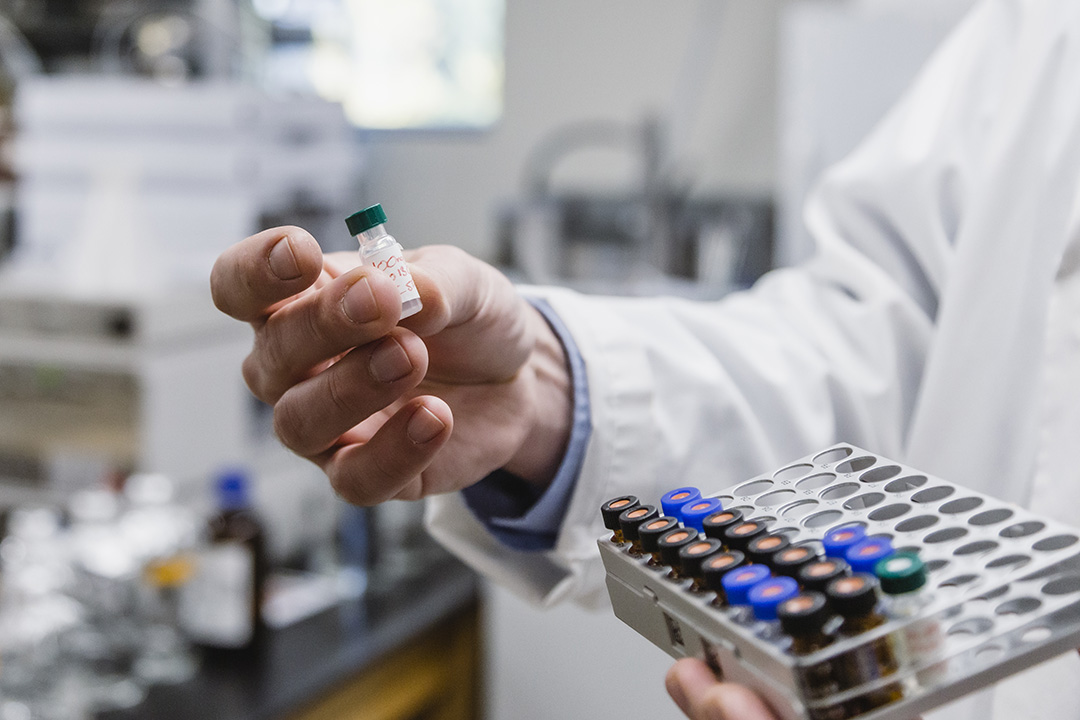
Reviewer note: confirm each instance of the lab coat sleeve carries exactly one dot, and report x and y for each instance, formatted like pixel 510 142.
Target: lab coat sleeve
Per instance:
pixel 708 394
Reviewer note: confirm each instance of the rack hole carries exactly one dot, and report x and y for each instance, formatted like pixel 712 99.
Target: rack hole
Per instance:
pixel 785 531
pixel 880 474
pixel 1036 634
pixel 821 519
pixel 933 494
pixel 792 471
pixel 1062 586
pixel 992 594
pixel 991 517
pixel 919 522
pixel 906 484
pixel 866 500
pixel 961 505
pixel 1022 529
pixel 1018 606
pixel 978 547
pixel 813 482
pixel 1008 561
pixel 971 626
pixel 990 653
pixel 753 487
pixel 945 535
pixel 799 509
pixel 774 498
pixel 890 512
pixel 855 465
pixel 1056 542
pixel 840 491
pixel 832 455
pixel 935 565
pixel 959 580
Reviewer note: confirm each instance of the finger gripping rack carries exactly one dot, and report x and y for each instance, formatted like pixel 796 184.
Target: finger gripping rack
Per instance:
pixel 1002 592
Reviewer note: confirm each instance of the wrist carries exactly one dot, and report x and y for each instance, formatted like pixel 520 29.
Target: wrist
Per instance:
pixel 552 408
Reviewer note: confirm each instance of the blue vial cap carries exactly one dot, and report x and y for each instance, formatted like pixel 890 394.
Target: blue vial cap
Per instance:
pixel 838 540
pixel 675 499
pixel 737 582
pixel 694 512
pixel 232 488
pixel 767 595
pixel 864 555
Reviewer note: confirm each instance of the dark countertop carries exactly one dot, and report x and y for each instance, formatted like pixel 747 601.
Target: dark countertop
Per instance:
pixel 301 662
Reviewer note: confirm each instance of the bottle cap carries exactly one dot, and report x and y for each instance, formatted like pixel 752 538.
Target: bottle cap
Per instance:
pixel 612 509
pixel 714 525
pixel 649 533
pixel 853 596
pixel 673 500
pixel 900 573
pixel 803 614
pixel 737 582
pixel 692 555
pixel 817 575
pixel 738 537
pixel 632 519
pixel 764 547
pixel 365 219
pixel 766 595
pixel 716 567
pixel 232 490
pixel 838 540
pixel 864 555
pixel 793 559
pixel 671 542
pixel 694 512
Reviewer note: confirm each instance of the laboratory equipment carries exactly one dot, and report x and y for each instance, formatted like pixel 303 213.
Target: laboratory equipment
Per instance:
pixel 999 592
pixel 379 249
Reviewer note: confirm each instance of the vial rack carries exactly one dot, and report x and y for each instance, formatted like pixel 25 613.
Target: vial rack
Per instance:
pixel 1004 585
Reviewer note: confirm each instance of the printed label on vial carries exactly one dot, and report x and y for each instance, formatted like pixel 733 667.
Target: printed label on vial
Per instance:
pixel 391 262
pixel 215 605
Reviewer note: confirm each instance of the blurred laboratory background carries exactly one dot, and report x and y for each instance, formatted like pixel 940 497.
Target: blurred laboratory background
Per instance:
pixel 162 556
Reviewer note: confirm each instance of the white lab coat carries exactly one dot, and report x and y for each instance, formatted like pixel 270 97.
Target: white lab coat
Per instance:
pixel 938 323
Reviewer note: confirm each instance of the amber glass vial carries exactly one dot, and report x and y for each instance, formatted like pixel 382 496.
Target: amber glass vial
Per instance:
pixel 631 520
pixel 611 510
pixel 855 599
pixel 649 535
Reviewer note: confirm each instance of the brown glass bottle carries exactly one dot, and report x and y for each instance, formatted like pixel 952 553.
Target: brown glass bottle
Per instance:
pixel 855 599
pixel 803 618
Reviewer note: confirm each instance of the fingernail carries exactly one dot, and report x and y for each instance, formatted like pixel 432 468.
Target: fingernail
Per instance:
pixel 283 262
pixel 359 302
pixel 389 362
pixel 424 426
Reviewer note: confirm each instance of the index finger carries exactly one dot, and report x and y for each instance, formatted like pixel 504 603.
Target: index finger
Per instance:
pixel 264 269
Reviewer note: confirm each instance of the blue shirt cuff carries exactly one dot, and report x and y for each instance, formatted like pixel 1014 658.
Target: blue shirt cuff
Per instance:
pixel 518 514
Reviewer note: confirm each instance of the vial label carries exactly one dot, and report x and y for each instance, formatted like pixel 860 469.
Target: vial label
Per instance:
pixel 391 262
pixel 216 605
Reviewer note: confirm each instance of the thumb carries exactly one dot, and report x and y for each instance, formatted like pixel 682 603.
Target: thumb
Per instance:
pixel 697 692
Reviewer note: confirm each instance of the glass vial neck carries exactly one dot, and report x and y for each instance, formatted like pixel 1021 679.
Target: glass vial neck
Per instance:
pixel 372 235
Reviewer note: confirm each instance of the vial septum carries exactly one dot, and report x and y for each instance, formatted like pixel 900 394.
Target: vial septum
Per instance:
pixel 380 250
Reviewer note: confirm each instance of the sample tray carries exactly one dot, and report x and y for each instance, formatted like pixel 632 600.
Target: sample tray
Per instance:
pixel 1004 585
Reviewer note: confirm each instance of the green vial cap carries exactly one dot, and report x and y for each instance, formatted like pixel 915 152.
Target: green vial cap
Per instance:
pixel 366 219
pixel 901 573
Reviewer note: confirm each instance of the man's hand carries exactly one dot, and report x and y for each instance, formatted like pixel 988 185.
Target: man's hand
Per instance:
pixel 697 692
pixel 390 411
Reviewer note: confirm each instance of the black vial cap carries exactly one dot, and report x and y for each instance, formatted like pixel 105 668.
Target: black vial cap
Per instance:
pixel 714 525
pixel 791 560
pixel 713 569
pixel 739 537
pixel 612 509
pixel 803 614
pixel 853 596
pixel 632 519
pixel 692 555
pixel 649 533
pixel 817 575
pixel 671 542
pixel 762 548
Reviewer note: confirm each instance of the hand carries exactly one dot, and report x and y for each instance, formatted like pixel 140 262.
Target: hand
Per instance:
pixel 389 411
pixel 697 692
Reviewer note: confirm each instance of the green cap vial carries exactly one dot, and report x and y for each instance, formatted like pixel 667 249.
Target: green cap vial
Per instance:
pixel 901 573
pixel 365 219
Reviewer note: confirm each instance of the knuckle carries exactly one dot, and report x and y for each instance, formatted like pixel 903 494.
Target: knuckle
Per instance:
pixel 289 426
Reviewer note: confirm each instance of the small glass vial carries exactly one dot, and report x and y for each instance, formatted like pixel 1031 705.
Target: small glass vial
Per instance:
pixel 694 512
pixel 793 559
pixel 903 580
pixel 738 537
pixel 670 544
pixel 766 596
pixel 673 500
pixel 380 250
pixel 649 535
pixel 804 618
pixel 737 583
pixel 715 568
pixel 611 510
pixel 629 522
pixel 714 525
pixel 693 556
pixel 763 548
pixel 864 555
pixel 855 599
pixel 837 541
pixel 818 574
